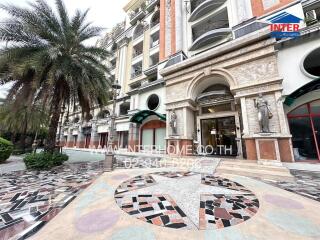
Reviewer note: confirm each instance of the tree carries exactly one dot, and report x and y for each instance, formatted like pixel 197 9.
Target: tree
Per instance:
pixel 23 119
pixel 48 62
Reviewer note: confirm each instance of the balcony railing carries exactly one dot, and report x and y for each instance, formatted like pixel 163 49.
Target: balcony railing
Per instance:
pixel 150 4
pixel 137 15
pixel 195 4
pixel 155 43
pixel 138 34
pixel 202 7
pixel 136 74
pixel 209 26
pixel 136 53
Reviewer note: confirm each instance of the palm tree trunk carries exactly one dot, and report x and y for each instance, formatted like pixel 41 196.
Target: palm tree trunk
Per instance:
pixel 54 121
pixel 24 133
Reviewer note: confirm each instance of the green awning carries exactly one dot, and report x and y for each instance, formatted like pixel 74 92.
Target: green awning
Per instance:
pixel 142 115
pixel 309 87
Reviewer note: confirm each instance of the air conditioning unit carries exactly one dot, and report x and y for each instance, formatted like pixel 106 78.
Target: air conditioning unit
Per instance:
pixel 311 15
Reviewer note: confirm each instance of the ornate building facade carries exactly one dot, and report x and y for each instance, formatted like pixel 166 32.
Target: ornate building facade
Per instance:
pixel 192 73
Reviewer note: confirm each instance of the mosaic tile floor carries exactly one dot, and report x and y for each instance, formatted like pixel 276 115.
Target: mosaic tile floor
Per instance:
pixel 157 209
pixel 28 200
pixel 307 184
pixel 219 211
pixel 187 200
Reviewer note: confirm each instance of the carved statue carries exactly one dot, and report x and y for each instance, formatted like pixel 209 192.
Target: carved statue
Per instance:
pixel 264 113
pixel 173 122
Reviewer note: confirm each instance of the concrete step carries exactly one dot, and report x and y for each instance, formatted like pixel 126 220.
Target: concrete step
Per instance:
pixel 256 172
pixel 254 166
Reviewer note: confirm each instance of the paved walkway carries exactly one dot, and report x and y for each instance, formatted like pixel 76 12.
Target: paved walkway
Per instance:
pixel 258 210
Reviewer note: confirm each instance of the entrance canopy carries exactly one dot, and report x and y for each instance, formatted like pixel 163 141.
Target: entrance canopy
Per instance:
pixel 309 87
pixel 142 115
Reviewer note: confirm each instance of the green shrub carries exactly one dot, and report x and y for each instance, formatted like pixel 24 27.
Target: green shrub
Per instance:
pixel 6 149
pixel 44 160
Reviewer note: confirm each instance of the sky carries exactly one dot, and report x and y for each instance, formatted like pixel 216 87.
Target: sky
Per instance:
pixel 103 13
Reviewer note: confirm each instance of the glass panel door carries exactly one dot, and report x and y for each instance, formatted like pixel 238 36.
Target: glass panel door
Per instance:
pixel 160 138
pixel 147 139
pixel 304 147
pixel 219 136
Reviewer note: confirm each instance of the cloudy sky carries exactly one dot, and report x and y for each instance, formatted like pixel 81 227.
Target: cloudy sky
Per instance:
pixel 103 13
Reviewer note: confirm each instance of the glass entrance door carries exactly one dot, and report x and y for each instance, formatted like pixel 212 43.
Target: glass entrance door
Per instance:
pixel 218 136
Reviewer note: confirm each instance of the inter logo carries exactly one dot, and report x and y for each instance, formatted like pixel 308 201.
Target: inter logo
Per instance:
pixel 284 25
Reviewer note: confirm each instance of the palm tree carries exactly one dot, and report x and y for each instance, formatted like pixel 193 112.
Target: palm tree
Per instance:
pixel 48 62
pixel 22 119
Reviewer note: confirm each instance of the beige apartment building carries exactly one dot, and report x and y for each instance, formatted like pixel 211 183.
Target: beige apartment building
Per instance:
pixel 192 74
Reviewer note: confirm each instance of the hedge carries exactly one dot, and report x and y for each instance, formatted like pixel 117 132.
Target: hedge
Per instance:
pixel 44 160
pixel 6 148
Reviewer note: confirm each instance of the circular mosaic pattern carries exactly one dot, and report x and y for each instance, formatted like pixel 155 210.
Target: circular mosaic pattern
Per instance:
pixel 186 200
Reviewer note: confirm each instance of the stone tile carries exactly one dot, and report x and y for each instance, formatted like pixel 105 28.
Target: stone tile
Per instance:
pixel 30 199
pixel 220 211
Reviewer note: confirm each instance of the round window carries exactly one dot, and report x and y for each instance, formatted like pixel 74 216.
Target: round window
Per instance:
pixel 311 63
pixel 153 102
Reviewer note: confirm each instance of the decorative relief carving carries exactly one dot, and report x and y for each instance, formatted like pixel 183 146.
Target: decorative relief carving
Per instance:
pixel 254 71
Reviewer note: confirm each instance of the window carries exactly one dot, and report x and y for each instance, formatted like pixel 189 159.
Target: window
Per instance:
pixel 153 102
pixel 304 123
pixel 124 108
pixel 311 63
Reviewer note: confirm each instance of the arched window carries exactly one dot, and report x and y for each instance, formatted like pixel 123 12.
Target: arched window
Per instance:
pixel 304 123
pixel 155 20
pixel 138 31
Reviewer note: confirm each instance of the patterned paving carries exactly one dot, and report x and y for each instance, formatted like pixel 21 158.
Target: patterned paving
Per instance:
pixel 176 174
pixel 28 200
pixel 174 200
pixel 157 209
pixel 307 184
pixel 135 183
pixel 212 180
pixel 219 211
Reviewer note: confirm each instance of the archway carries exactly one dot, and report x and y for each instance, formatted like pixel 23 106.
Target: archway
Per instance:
pixel 218 122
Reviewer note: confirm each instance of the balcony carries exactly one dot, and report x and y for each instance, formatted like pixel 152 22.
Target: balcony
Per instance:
pixel 151 4
pixel 154 44
pixel 152 70
pixel 211 31
pixel 136 74
pixel 136 70
pixel 137 15
pixel 137 50
pixel 214 36
pixel 202 7
pixel 155 21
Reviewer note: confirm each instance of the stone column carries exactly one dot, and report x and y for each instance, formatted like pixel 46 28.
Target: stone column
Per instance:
pixel 182 142
pixel 134 130
pixel 70 138
pixel 81 138
pixel 94 140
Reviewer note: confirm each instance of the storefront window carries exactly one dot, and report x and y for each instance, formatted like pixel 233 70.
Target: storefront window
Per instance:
pixel 304 123
pixel 315 107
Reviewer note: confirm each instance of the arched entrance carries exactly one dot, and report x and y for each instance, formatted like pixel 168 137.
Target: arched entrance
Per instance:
pixel 218 130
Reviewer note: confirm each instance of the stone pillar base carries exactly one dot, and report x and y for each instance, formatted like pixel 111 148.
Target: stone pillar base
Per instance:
pixel 269 149
pixel 179 147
